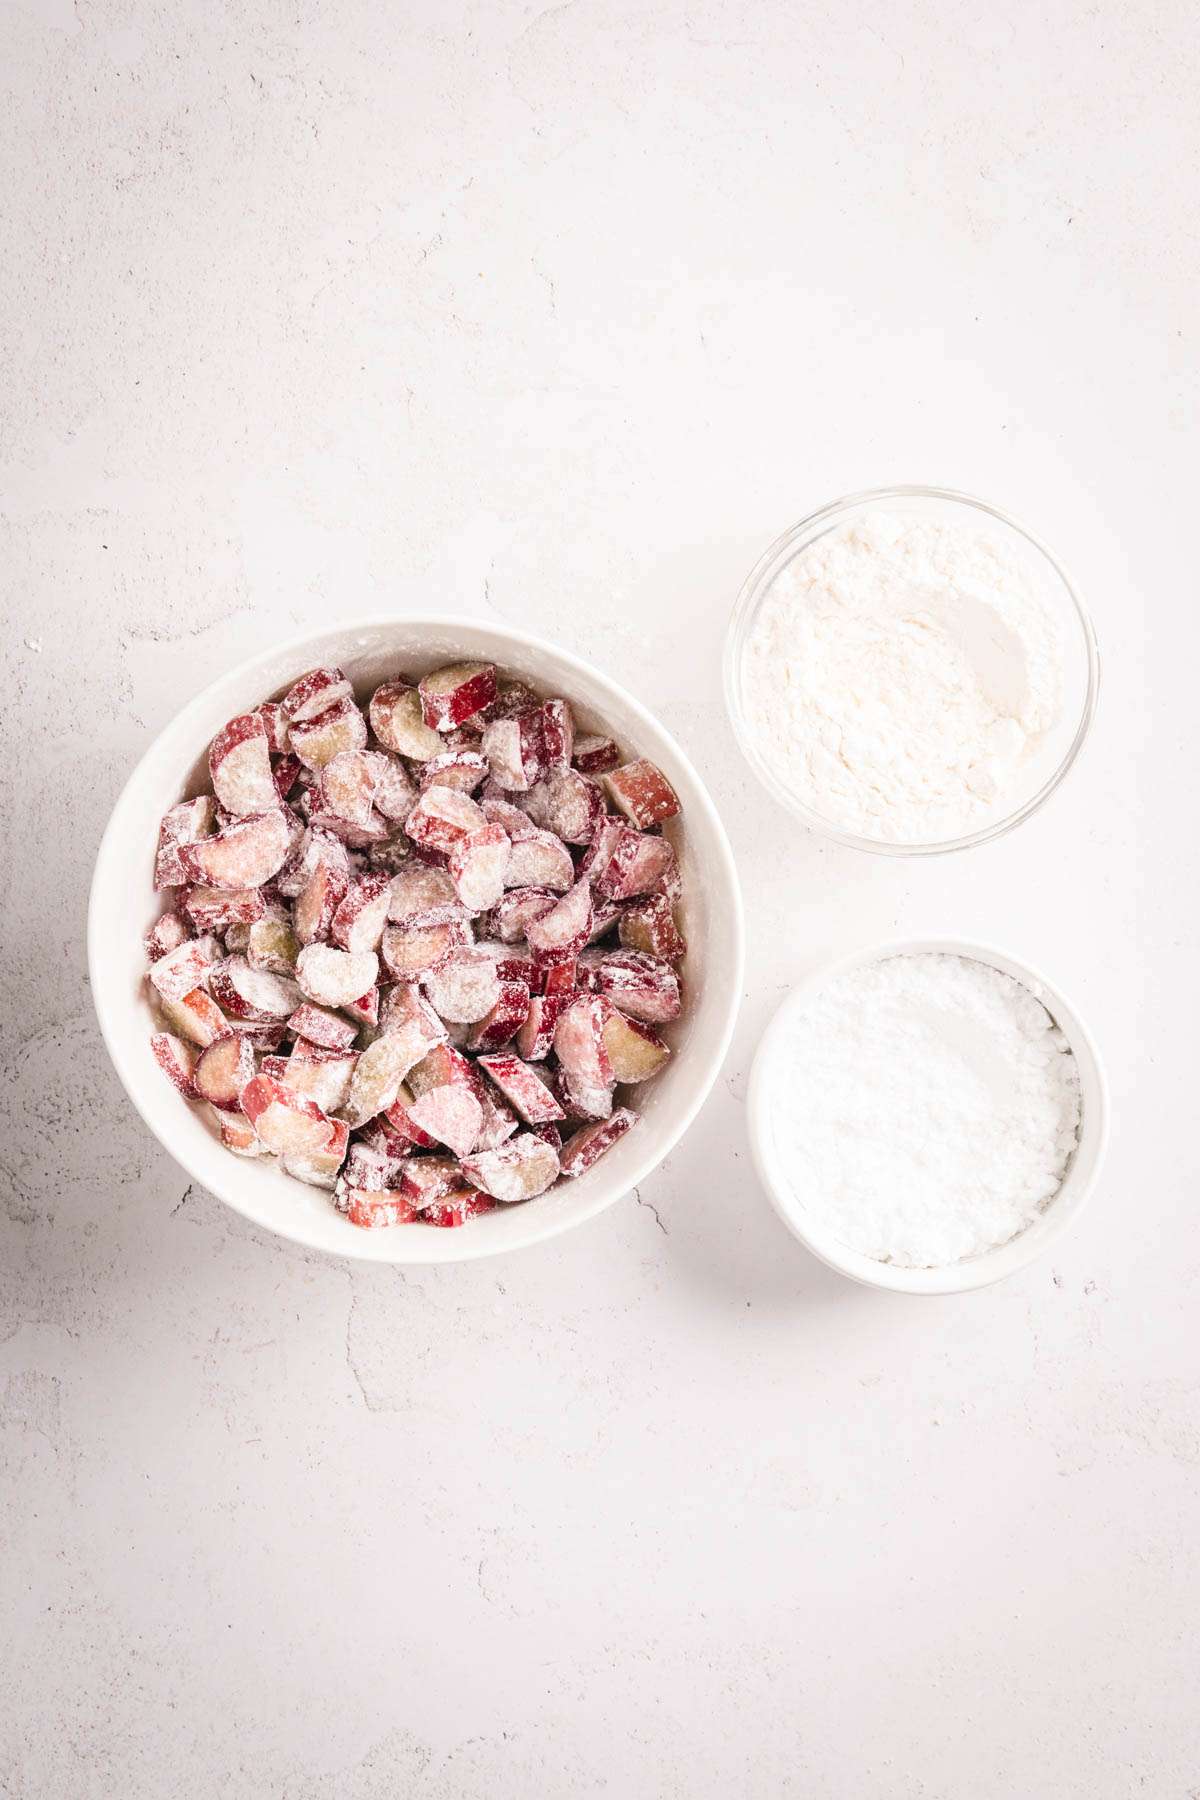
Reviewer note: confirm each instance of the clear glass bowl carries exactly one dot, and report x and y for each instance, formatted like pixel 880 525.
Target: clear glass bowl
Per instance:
pixel 1050 760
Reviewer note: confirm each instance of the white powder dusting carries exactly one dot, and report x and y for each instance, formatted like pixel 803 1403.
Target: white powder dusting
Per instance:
pixel 925 1107
pixel 900 672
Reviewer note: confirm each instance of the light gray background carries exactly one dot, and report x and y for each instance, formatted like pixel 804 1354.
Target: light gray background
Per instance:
pixel 564 312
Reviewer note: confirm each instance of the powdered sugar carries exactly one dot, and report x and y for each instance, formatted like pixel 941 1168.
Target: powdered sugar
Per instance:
pixel 925 1107
pixel 900 672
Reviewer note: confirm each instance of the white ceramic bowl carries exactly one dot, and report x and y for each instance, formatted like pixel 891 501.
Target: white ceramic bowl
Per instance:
pixel 973 1272
pixel 123 905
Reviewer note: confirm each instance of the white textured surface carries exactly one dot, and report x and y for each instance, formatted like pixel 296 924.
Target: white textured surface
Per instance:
pixel 566 312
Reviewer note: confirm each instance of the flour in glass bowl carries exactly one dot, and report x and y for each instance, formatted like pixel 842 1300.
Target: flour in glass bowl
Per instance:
pixel 925 1108
pixel 899 673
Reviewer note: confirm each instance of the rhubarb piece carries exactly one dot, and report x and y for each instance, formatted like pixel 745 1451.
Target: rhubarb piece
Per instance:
pixel 196 1017
pixel 642 793
pixel 377 830
pixel 587 1146
pixel 579 1041
pixel 405 1006
pixel 285 1121
pixel 236 937
pixel 558 736
pixel 642 987
pixel 445 1102
pixel 239 1135
pixel 514 962
pixel 461 769
pixel 177 1060
pixel 442 818
pixel 539 860
pixel 398 722
pixel 275 725
pixel 452 1115
pixel 535 1039
pixel 318 740
pixel 498 810
pixel 376 1171
pixel 419 888
pixel 465 989
pixel 516 910
pixel 500 1122
pixel 314 693
pixel 462 1203
pixel 373 1212
pixel 634 1050
pixel 320 1167
pixel 519 1170
pixel 270 943
pixel 650 926
pixel 396 794
pixel 452 694
pixel 325 887
pixel 186 823
pixel 595 755
pixel 222 1071
pixel 165 935
pixel 427 1179
pixel 605 914
pixel 321 1075
pixel 561 934
pixel 549 1132
pixel 245 855
pixel 523 1087
pixel 570 805
pixel 323 1028
pixel 239 763
pixel 478 865
pixel 347 786
pixel 558 978
pixel 512 697
pixel 397 1121
pixel 286 774
pixel 186 967
pixel 335 977
pixel 358 923
pixel 599 852
pixel 502 1023
pixel 638 863
pixel 515 751
pixel 246 993
pixel 365 1010
pixel 416 948
pixel 378 1074
pixel 582 1099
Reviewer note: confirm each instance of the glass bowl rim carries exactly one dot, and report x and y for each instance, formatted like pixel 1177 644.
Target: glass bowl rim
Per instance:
pixel 769 564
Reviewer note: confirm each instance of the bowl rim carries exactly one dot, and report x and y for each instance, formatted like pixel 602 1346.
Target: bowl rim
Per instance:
pixel 769 564
pixel 453 1246
pixel 973 1272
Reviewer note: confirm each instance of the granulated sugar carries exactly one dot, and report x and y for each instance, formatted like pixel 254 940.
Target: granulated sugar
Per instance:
pixel 899 674
pixel 926 1107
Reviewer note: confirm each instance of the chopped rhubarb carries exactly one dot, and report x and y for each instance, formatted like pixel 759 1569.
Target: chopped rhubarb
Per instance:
pixel 452 694
pixel 176 1059
pixel 642 793
pixel 523 1087
pixel 589 1145
pixel 239 763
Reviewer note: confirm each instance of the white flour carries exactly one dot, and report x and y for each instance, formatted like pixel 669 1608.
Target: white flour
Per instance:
pixel 899 672
pixel 925 1107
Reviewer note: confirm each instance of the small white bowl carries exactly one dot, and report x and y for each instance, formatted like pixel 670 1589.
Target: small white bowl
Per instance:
pixel 123 905
pixel 973 1272
pixel 1051 760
